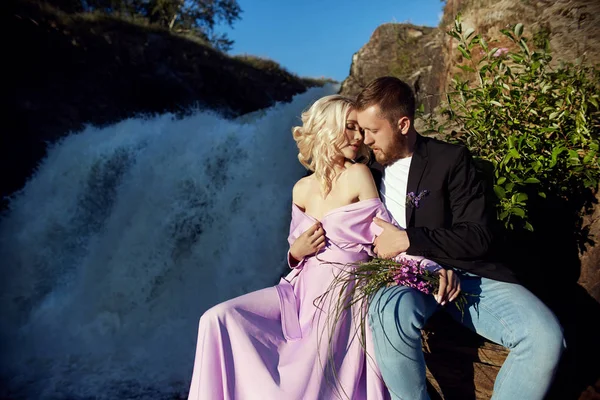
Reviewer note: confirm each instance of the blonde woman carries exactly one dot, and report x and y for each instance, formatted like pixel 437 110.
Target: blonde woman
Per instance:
pixel 276 343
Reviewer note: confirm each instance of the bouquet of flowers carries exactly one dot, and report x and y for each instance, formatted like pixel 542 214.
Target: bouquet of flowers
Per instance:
pixel 370 276
pixel 356 284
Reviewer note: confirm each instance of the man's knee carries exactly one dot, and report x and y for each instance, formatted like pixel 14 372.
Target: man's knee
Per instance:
pixel 544 335
pixel 549 338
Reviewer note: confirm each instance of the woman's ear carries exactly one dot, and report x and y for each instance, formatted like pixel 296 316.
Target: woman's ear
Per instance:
pixel 403 125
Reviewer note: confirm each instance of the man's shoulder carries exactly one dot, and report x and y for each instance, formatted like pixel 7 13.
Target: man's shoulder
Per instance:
pixel 441 146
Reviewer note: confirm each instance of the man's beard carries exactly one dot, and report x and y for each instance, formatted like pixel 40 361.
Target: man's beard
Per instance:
pixel 398 150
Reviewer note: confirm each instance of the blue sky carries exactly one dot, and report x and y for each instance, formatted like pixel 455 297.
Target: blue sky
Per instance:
pixel 317 38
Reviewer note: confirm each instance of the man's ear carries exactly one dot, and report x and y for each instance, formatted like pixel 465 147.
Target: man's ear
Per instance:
pixel 403 125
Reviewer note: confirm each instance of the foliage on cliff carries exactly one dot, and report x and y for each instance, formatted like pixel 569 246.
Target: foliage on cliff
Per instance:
pixel 534 126
pixel 197 17
pixel 538 127
pixel 570 27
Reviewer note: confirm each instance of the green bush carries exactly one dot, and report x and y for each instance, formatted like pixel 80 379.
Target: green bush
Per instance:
pixel 536 124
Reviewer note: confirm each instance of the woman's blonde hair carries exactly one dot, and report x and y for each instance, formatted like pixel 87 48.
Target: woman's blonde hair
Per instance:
pixel 322 135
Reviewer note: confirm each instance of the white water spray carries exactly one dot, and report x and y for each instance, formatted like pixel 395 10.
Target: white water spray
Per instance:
pixel 125 235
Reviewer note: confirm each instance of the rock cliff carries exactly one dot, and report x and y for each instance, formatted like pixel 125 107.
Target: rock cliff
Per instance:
pixel 412 53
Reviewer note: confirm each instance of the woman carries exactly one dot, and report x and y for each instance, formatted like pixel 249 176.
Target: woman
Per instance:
pixel 277 343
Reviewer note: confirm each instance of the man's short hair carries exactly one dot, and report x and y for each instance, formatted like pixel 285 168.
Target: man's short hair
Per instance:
pixel 394 97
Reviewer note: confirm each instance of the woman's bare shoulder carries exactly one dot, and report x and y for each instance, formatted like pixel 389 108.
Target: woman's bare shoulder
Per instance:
pixel 301 190
pixel 360 179
pixel 359 171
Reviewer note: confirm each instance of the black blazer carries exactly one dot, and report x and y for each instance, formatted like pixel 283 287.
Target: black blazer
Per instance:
pixel 450 225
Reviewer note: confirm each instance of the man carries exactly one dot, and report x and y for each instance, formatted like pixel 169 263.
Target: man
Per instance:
pixel 431 188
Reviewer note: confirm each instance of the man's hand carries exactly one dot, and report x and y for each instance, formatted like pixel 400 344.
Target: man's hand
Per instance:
pixel 311 241
pixel 449 286
pixel 391 242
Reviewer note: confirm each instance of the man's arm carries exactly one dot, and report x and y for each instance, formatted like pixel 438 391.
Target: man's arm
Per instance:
pixel 469 237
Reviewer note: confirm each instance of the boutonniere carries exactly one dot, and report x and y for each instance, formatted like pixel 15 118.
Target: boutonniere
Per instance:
pixel 413 200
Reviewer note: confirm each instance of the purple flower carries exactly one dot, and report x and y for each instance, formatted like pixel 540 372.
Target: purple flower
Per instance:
pixel 411 273
pixel 413 200
pixel 500 52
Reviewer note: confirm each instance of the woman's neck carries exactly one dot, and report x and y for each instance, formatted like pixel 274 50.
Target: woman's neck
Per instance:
pixel 340 167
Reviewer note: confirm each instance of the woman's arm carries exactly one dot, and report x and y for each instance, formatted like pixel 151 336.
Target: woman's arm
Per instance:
pixel 310 241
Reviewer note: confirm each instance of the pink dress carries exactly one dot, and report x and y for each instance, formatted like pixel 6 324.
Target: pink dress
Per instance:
pixel 274 343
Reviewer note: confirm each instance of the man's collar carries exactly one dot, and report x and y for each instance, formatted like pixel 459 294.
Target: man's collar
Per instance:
pixel 420 149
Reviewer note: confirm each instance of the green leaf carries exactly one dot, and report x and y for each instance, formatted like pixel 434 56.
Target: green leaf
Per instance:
pixel 549 129
pixel 501 180
pixel 474 42
pixel 468 33
pixel 555 153
pixel 542 195
pixel 508 33
pixel 519 212
pixel 521 197
pixel 464 52
pixel 519 29
pixel 453 34
pixel 500 192
pixel 457 25
pixel 524 46
pixel 573 155
pixel 589 156
pixel 532 180
pixel 466 68
pixel 528 227
pixel 483 43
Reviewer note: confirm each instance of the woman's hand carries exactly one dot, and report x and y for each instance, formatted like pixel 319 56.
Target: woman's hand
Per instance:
pixel 311 241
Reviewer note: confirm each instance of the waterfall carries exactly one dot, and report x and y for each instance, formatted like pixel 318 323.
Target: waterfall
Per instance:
pixel 125 235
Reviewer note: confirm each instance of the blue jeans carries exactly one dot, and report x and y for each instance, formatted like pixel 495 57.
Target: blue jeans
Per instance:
pixel 505 313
